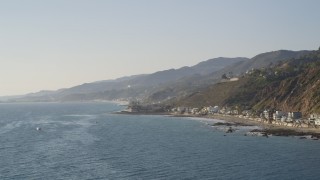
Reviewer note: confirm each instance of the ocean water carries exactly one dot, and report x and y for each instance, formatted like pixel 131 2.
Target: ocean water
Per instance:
pixel 87 141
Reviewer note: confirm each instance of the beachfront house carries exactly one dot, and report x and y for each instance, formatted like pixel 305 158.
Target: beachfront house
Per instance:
pixel 195 110
pixel 212 110
pixel 278 115
pixel 267 114
pixel 294 116
pixel 181 109
pixel 315 118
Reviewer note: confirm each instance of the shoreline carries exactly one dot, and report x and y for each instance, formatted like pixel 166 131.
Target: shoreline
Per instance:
pixel 271 129
pixel 142 113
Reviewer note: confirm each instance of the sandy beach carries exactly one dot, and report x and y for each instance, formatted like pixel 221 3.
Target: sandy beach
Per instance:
pixel 264 127
pixel 273 129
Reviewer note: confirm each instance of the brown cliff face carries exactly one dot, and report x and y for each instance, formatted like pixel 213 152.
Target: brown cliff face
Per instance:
pixel 298 93
pixel 293 85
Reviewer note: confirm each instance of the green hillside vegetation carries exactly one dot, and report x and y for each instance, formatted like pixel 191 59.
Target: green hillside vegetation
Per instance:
pixel 291 85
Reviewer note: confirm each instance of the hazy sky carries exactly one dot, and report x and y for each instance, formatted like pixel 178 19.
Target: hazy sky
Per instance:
pixel 52 44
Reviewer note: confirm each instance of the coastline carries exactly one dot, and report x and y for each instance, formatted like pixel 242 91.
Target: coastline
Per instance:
pixel 264 125
pixel 270 129
pixel 142 113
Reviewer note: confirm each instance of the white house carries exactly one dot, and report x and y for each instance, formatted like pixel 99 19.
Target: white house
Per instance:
pixel 278 115
pixel 267 114
pixel 212 110
pixel 315 118
pixel 294 116
pixel 195 110
pixel 181 109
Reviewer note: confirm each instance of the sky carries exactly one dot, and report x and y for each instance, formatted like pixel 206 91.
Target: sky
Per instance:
pixel 53 44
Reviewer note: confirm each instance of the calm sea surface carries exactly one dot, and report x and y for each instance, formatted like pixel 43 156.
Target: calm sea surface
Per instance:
pixel 86 141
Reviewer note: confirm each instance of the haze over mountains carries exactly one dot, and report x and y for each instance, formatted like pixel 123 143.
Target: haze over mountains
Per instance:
pixel 163 85
pixel 126 87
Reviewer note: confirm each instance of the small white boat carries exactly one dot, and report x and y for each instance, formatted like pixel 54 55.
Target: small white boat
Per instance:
pixel 38 128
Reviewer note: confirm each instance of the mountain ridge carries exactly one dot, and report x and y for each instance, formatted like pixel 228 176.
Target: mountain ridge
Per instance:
pixel 166 84
pixel 292 85
pixel 196 83
pixel 149 81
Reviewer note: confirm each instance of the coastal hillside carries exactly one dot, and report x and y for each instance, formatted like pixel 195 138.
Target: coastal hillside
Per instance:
pixel 291 85
pixel 161 86
pixel 195 83
pixel 263 60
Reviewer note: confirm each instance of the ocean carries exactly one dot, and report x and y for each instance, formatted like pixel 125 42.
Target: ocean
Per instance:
pixel 88 141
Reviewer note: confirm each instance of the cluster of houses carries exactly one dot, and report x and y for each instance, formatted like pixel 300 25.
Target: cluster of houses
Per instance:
pixel 281 117
pixel 268 116
pixel 293 119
